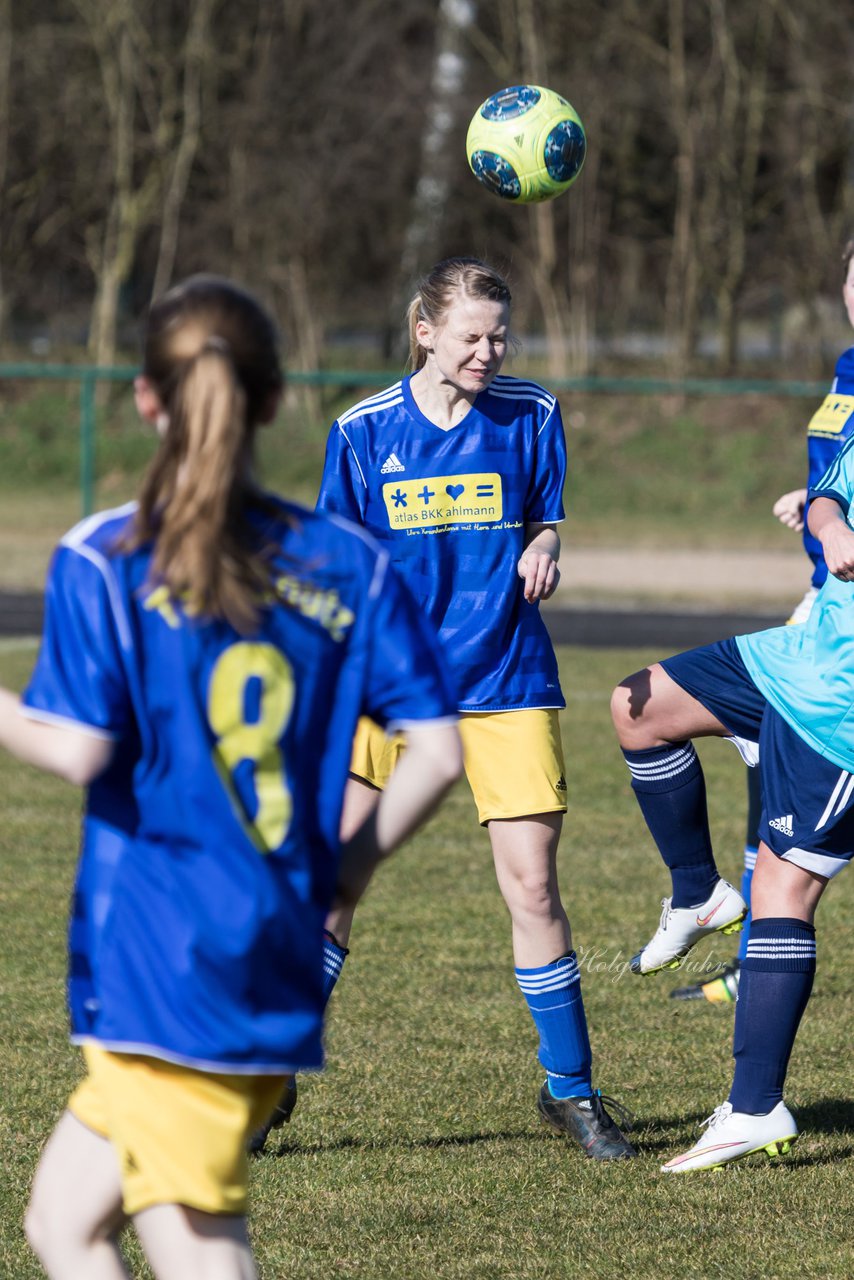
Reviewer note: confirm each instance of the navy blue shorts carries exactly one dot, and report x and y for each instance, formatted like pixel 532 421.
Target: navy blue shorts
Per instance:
pixel 807 802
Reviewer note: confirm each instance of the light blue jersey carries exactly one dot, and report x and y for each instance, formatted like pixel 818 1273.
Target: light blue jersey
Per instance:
pixel 830 427
pixel 807 672
pixel 210 843
pixel 451 508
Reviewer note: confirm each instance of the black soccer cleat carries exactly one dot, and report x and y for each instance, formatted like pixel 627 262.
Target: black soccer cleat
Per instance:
pixel 282 1113
pixel 587 1121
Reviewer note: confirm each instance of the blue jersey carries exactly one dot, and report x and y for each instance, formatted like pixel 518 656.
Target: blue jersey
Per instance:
pixel 210 843
pixel 807 671
pixel 831 425
pixel 451 507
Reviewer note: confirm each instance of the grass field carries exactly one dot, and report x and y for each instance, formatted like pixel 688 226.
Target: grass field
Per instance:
pixel 419 1155
pixel 643 470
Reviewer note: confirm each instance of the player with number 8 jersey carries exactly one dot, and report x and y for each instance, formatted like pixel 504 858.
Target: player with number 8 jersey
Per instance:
pixel 206 653
pixel 228 748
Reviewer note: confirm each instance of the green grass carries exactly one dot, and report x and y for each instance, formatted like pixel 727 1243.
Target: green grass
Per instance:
pixel 419 1154
pixel 643 470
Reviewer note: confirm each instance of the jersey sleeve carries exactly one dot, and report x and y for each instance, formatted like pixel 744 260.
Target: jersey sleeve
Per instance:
pixel 79 674
pixel 343 489
pixel 407 679
pixel 544 500
pixel 838 480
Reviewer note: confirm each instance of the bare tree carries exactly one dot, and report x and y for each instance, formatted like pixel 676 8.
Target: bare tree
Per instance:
pixel 5 74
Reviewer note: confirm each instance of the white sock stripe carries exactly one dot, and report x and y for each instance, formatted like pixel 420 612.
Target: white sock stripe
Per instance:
pixel 833 798
pixel 535 986
pixel 749 859
pixel 668 769
pixel 332 963
pixel 771 951
pixel 682 755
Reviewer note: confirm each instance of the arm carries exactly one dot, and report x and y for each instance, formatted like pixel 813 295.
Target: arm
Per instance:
pixel 431 763
pixel 789 509
pixel 72 754
pixel 827 523
pixel 538 562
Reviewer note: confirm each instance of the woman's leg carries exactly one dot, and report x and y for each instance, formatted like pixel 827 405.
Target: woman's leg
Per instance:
pixel 360 800
pixel 655 719
pixel 186 1244
pixel 774 988
pixel 525 855
pixel 75 1211
pixel 776 980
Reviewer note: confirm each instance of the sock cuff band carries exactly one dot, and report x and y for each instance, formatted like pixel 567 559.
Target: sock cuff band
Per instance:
pixel 560 975
pixel 662 768
pixel 781 946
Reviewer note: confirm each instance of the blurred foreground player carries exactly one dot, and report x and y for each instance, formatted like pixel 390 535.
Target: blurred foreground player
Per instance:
pixel 205 655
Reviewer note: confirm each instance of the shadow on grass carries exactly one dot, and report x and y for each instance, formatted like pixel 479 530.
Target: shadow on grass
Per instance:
pixel 413 1144
pixel 828 1116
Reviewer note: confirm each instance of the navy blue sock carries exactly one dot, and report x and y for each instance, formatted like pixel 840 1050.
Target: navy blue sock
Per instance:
pixel 553 993
pixel 333 962
pixel 773 990
pixel 671 791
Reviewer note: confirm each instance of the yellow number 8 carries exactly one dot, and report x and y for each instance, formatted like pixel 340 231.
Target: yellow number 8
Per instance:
pixel 257 741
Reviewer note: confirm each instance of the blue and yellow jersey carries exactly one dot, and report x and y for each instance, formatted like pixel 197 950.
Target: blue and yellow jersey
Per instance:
pixel 210 843
pixel 830 427
pixel 451 508
pixel 807 672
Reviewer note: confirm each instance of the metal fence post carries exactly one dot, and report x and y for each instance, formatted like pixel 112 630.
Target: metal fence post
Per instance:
pixel 88 382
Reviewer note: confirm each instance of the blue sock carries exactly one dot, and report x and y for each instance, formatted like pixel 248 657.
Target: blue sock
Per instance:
pixel 746 881
pixel 553 993
pixel 333 962
pixel 775 985
pixel 671 791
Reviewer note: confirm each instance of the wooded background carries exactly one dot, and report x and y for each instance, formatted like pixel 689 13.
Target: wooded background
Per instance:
pixel 315 150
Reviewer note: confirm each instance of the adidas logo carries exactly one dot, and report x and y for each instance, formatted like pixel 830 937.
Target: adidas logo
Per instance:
pixel 560 785
pixel 392 463
pixel 783 824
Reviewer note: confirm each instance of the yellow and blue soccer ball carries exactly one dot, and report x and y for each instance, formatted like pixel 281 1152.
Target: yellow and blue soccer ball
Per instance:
pixel 526 144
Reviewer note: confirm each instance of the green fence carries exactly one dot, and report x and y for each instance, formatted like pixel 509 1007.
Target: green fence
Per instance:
pixel 89 377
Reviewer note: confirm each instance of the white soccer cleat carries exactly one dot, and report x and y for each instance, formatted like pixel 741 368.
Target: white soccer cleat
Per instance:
pixel 731 1135
pixel 681 927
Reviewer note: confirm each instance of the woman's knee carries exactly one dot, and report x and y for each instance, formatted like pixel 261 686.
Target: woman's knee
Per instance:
pixel 633 710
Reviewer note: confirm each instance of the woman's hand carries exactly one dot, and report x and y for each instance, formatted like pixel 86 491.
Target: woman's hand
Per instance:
pixel 538 562
pixel 540 573
pixel 789 509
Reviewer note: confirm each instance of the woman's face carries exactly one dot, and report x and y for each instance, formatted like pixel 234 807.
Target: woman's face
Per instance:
pixel 848 293
pixel 470 344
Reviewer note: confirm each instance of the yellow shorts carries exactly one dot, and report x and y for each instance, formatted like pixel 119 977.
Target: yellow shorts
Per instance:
pixel 513 761
pixel 180 1134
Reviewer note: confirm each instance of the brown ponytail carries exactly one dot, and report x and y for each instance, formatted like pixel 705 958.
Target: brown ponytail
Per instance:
pixel 211 354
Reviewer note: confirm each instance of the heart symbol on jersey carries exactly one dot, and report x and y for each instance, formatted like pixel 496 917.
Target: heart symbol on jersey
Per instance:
pixel 454 490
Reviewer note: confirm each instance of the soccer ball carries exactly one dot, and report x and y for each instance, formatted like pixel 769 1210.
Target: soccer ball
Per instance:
pixel 526 144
